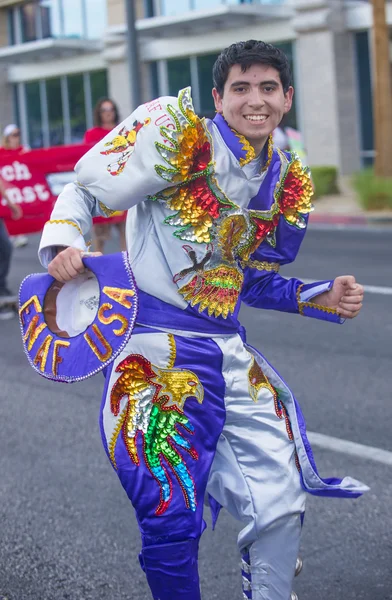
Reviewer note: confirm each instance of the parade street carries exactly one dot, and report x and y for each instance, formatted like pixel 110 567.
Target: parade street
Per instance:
pixel 67 529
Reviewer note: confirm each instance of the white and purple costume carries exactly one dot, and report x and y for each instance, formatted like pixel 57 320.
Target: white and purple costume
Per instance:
pixel 189 409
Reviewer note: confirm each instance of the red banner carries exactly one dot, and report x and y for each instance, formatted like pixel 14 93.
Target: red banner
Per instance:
pixel 33 180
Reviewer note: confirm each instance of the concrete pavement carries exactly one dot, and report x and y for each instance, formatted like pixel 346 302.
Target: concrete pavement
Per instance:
pixel 67 529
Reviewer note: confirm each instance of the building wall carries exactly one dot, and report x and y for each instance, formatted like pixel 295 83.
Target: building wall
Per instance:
pixel 348 102
pixel 115 12
pixel 327 74
pixel 6 99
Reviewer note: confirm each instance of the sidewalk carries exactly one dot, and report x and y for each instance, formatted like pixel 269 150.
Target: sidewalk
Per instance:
pixel 344 209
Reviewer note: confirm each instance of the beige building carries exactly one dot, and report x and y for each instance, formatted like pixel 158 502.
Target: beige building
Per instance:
pixel 57 57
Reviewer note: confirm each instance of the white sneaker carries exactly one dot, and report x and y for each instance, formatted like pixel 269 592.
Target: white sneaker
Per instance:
pixel 19 241
pixel 6 313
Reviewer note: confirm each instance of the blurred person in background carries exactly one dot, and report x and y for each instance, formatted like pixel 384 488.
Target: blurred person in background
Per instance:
pixel 106 117
pixel 6 296
pixel 11 142
pixel 280 138
pixel 11 139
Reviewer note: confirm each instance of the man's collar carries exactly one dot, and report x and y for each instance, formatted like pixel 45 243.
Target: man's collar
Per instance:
pixel 240 146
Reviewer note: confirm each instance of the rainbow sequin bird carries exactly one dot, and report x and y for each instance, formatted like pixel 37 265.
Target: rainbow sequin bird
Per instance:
pixel 154 407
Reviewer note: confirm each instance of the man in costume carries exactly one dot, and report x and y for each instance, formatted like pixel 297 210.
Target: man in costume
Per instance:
pixel 190 410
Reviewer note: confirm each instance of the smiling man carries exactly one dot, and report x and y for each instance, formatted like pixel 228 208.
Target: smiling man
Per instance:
pixel 190 410
pixel 253 101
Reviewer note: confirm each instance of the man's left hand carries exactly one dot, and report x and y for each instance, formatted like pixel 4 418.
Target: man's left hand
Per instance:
pixel 345 296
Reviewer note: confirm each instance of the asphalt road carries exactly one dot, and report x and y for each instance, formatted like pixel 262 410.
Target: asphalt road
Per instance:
pixel 67 530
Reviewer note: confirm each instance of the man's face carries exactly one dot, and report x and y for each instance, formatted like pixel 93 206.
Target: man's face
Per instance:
pixel 253 103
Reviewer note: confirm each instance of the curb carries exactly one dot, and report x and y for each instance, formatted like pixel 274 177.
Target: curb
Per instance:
pixel 344 219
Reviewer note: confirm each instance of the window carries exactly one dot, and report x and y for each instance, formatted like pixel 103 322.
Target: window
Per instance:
pixel 289 120
pixel 77 108
pixel 55 109
pixel 174 7
pixel 31 21
pixel 179 74
pixel 73 19
pixel 51 19
pixel 154 80
pixel 95 19
pixel 99 86
pixel 204 69
pixel 29 18
pixel 34 114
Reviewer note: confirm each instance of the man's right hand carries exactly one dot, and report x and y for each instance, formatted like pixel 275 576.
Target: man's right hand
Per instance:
pixel 68 264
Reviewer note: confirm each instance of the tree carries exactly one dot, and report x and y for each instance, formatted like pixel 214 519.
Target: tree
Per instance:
pixel 382 93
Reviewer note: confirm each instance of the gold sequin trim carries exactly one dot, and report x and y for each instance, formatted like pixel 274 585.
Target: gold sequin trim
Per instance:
pixel 116 432
pixel 173 351
pixel 103 357
pixel 64 222
pixel 250 151
pixel 108 212
pixel 246 147
pixel 257 380
pixel 260 265
pixel 57 359
pixel 42 353
pixel 270 150
pixel 302 305
pixel 111 318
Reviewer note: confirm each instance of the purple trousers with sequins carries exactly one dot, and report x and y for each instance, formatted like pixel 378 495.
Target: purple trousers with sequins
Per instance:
pixel 171 523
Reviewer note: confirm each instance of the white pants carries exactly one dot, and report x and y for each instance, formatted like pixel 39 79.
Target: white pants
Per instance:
pixel 255 476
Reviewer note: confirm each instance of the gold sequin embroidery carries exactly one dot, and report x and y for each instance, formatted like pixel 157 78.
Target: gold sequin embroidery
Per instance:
pixel 302 305
pixel 260 265
pixel 258 380
pixel 108 212
pixel 103 356
pixel 246 147
pixel 173 351
pixel 64 222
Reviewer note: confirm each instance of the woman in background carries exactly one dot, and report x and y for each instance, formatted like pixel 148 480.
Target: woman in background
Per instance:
pixel 106 117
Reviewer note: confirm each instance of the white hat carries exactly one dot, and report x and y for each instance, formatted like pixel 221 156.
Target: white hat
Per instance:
pixel 10 129
pixel 77 303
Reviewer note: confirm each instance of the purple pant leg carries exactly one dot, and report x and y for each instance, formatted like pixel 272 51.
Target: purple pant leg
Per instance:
pixel 170 539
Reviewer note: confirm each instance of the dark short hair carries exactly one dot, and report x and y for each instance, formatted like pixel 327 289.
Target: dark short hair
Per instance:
pixel 247 54
pixel 97 111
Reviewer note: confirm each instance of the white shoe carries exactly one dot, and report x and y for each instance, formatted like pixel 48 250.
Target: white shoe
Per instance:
pixel 293 596
pixel 6 313
pixel 19 241
pixel 298 566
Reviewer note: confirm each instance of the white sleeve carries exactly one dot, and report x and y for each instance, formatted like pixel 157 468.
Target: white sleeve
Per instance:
pixel 123 169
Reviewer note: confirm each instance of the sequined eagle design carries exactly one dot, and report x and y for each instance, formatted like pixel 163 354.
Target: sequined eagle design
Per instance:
pixel 124 144
pixel 154 409
pixel 194 194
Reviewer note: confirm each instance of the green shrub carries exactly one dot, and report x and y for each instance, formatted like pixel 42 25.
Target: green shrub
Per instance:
pixel 325 181
pixel 375 193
